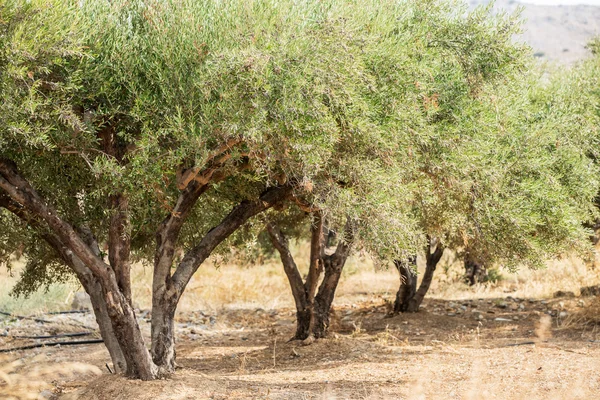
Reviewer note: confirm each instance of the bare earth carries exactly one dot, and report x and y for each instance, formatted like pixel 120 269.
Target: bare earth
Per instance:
pixel 450 350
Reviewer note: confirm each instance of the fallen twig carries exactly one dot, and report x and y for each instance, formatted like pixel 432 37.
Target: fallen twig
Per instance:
pixel 47 336
pixel 68 312
pixel 519 344
pixel 33 346
pixel 44 321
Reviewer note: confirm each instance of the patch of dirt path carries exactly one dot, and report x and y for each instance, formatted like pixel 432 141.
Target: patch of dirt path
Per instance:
pixel 472 349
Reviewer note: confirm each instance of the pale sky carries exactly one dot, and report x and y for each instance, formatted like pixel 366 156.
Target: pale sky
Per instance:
pixel 561 2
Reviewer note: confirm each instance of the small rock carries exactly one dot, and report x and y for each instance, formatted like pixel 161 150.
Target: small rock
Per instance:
pixel 81 301
pixel 502 319
pixel 521 307
pixel 308 341
pixel 502 304
pixel 46 394
pixel 516 317
pixel 450 314
pixel 563 314
pixel 543 302
pixel 479 317
pixel 581 303
pixel 590 290
pixel 561 293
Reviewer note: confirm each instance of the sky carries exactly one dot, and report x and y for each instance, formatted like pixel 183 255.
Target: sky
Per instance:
pixel 561 2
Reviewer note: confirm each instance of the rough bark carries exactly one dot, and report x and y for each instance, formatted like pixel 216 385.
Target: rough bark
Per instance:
pixel 432 256
pixel 167 288
pixel 333 265
pixel 163 340
pixel 303 307
pixel 119 243
pixel 120 312
pixel 89 283
pixel 236 218
pixel 408 284
pixel 475 272
pixel 163 334
pixel 312 307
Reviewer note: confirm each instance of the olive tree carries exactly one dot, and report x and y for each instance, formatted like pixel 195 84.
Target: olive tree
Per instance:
pixel 517 184
pixel 148 127
pixel 436 72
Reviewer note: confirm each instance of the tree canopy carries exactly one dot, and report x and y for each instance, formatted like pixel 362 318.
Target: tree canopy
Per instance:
pixel 131 129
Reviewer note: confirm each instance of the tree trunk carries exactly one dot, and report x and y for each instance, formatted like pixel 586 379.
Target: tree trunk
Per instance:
pixel 304 320
pixel 299 292
pixel 432 259
pixel 89 283
pixel 168 288
pixel 333 264
pixel 408 284
pixel 119 243
pixel 163 335
pixel 128 334
pixel 475 272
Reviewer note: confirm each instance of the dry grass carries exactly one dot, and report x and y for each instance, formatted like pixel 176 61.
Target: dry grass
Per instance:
pixel 567 274
pixel 265 286
pixel 55 298
pixel 234 286
pixel 25 380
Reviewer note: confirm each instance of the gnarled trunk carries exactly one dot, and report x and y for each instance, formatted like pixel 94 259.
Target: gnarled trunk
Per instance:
pixel 475 271
pixel 432 258
pixel 312 307
pixel 408 284
pixel 408 298
pixel 334 264
pixel 168 288
pixel 163 335
pixel 82 258
pixel 303 292
pixel 106 330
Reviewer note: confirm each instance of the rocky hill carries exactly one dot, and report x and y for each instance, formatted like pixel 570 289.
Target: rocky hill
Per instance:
pixel 556 33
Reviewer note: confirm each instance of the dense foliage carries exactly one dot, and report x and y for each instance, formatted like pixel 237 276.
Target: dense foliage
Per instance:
pixel 130 129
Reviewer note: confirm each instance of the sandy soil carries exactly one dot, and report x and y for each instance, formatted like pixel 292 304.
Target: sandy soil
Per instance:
pixel 470 349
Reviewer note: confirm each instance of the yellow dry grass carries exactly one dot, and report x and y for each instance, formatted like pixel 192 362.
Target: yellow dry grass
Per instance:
pixel 264 285
pixel 231 284
pixel 26 379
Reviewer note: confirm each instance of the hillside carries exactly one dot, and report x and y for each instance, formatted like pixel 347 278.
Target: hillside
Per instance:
pixel 556 33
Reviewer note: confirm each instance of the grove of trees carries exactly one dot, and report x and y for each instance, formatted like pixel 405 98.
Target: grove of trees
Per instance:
pixel 165 131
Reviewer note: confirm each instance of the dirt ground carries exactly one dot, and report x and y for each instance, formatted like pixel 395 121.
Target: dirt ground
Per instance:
pixel 504 348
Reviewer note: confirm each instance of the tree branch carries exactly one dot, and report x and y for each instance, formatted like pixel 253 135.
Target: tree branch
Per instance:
pixel 316 256
pixel 281 243
pixel 119 243
pixel 185 177
pixel 21 191
pixel 236 218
